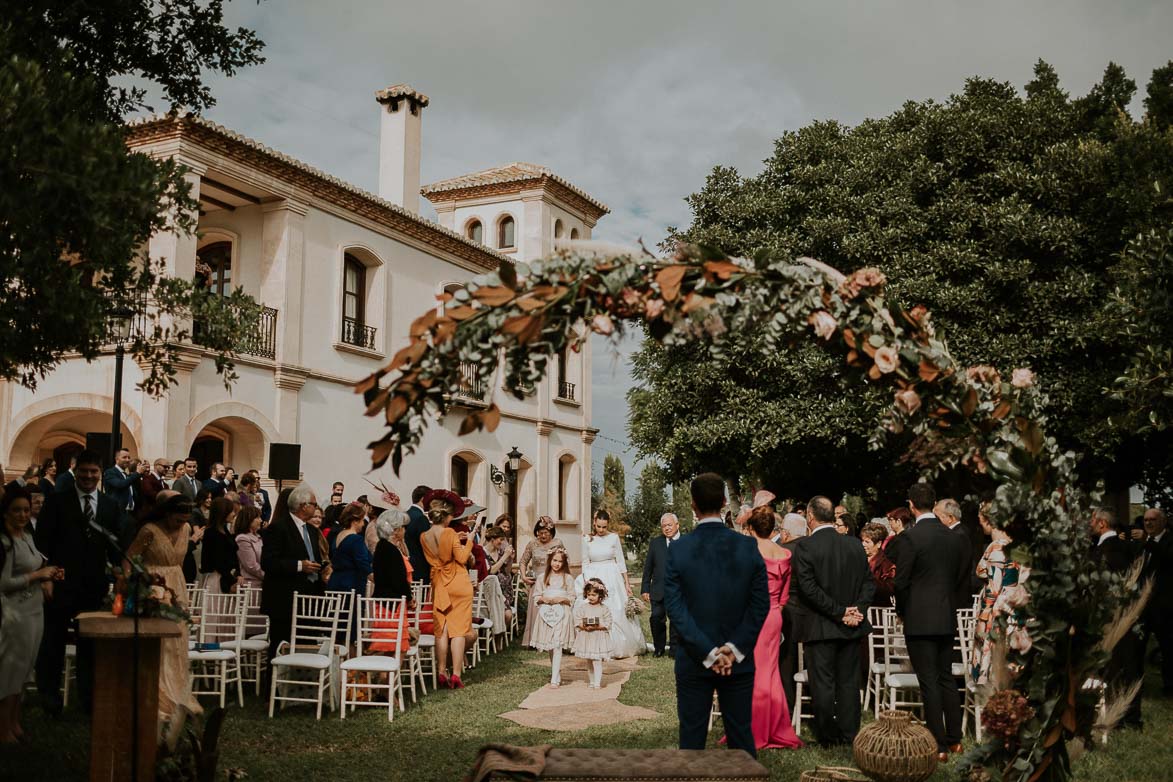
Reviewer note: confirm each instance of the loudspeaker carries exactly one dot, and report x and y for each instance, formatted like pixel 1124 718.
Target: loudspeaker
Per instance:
pixel 99 442
pixel 284 461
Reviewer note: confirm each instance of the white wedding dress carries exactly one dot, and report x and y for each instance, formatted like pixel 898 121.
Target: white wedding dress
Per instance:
pixel 603 559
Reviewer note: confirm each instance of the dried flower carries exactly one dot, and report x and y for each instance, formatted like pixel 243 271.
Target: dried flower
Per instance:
pixel 860 279
pixel 824 323
pixel 602 324
pixel 1005 713
pixel 887 359
pixel 918 312
pixel 632 298
pixel 654 309
pixel 1022 378
pixel 908 401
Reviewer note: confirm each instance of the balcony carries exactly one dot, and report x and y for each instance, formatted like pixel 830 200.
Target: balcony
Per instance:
pixel 260 341
pixel 358 334
pixel 566 391
pixel 471 385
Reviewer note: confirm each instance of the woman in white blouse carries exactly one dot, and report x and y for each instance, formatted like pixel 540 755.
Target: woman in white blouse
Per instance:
pixel 603 559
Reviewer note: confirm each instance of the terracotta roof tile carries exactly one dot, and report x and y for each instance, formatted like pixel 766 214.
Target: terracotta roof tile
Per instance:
pixel 512 172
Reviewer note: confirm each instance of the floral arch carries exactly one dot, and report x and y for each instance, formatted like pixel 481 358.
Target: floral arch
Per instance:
pixel 971 417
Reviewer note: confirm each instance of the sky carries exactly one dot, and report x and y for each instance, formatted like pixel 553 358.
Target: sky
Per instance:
pixel 635 101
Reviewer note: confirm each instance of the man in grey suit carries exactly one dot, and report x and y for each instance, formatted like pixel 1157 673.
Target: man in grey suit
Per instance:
pixel 185 482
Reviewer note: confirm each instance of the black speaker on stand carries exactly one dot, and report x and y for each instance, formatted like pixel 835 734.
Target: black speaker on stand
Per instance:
pixel 99 443
pixel 284 462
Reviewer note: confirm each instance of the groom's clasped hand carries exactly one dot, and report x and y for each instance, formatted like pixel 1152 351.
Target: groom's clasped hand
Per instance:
pixel 852 617
pixel 725 660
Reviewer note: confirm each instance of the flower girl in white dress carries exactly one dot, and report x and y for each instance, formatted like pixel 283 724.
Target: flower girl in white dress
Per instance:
pixel 592 622
pixel 553 629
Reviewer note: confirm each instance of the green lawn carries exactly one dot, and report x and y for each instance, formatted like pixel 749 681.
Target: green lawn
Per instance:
pixel 437 739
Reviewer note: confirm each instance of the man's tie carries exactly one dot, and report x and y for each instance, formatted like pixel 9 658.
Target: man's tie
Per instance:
pixel 89 509
pixel 309 549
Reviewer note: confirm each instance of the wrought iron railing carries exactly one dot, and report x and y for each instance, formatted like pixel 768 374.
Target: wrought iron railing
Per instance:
pixel 471 385
pixel 260 341
pixel 358 334
pixel 565 390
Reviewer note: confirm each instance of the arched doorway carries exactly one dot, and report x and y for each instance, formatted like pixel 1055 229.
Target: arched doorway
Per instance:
pixel 61 433
pixel 233 441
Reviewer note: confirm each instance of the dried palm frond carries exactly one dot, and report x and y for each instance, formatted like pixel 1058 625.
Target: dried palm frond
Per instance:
pixel 1125 617
pixel 1115 706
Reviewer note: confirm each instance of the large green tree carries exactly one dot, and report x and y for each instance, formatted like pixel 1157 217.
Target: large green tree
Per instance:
pixel 1004 212
pixel 648 505
pixel 76 206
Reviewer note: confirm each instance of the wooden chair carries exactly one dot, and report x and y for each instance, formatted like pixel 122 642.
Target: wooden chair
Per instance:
pixel 311 648
pixel 382 621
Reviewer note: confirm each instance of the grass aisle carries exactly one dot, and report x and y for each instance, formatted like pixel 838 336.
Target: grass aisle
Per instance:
pixel 437 739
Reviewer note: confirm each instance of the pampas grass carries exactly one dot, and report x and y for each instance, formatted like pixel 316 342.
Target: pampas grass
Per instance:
pixel 1114 707
pixel 1126 615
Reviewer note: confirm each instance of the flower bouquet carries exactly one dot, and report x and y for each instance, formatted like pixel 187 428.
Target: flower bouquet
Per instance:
pixel 634 607
pixel 138 592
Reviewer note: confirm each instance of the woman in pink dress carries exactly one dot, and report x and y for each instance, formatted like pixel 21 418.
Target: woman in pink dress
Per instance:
pixel 771 714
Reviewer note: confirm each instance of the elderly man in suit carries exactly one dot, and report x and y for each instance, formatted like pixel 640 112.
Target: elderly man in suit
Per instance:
pixel 836 587
pixel 652 587
pixel 76 531
pixel 931 573
pixel 948 510
pixel 291 560
pixel 1112 554
pixel 717 597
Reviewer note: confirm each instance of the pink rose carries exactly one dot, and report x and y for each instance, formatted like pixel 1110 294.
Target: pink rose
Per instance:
pixel 824 323
pixel 908 401
pixel 654 308
pixel 1022 378
pixel 860 279
pixel 887 359
pixel 984 374
pixel 601 324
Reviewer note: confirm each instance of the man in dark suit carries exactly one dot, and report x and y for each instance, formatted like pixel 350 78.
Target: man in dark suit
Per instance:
pixel 1157 555
pixel 290 558
pixel 216 483
pixel 266 507
pixel 794 613
pixel 1113 554
pixel 717 596
pixel 121 481
pixel 932 571
pixel 418 525
pixel 836 589
pixel 948 512
pixel 152 483
pixel 75 531
pixel 65 481
pixel 652 587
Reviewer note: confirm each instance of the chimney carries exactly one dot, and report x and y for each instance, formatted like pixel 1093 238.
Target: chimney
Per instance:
pixel 399 145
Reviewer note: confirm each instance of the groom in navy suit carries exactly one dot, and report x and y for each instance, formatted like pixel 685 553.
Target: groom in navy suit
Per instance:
pixel 717 598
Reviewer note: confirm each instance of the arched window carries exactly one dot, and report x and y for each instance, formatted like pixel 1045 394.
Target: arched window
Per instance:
pixel 354 297
pixel 460 475
pixel 505 231
pixel 214 266
pixel 558 229
pixel 573 233
pixel 475 231
pixel 565 465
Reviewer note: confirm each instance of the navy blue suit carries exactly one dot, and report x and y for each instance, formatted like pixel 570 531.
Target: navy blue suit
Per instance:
pixel 121 487
pixel 716 593
pixel 419 524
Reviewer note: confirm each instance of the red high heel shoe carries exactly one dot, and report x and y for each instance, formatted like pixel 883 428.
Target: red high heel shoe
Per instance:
pixel 456 683
pixel 442 682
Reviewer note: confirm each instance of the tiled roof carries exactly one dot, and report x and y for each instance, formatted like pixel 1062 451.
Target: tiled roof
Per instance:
pixel 401 91
pixel 507 174
pixel 141 129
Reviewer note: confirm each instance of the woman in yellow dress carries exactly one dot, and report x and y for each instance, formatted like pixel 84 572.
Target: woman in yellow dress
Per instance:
pixel 162 543
pixel 448 553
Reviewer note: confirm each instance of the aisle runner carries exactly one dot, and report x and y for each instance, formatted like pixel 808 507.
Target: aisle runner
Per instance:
pixel 546 708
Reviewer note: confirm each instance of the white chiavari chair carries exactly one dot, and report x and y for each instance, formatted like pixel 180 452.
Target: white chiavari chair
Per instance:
pixel 901 687
pixel 382 624
pixel 311 648
pixel 801 683
pixel 253 647
pixel 426 643
pixel 966 622
pixel 221 622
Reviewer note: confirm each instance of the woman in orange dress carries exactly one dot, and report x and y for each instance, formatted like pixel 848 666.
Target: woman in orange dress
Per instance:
pixel 448 554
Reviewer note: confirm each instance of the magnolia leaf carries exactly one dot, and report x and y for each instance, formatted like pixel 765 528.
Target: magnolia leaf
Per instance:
pixel 471 423
pixel 721 270
pixel 396 408
pixel 1002 410
pixel 380 449
pixel 508 274
pixel 369 382
pixel 420 325
pixel 460 313
pixel 849 338
pixel 408 355
pixel 529 305
pixel 445 328
pixel 548 292
pixel 492 417
pixel 929 372
pixel 494 296
pixel 669 279
pixel 969 404
pixel 1032 438
pixel 377 401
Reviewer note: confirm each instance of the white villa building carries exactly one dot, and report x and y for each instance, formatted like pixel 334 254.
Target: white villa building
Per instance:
pixel 341 273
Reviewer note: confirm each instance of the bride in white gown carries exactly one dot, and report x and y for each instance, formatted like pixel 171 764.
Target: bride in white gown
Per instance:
pixel 602 558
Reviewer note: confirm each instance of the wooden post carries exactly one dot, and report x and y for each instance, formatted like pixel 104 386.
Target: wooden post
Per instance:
pixel 113 729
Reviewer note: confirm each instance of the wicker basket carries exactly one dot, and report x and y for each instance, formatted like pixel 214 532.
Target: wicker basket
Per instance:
pixel 894 749
pixel 832 774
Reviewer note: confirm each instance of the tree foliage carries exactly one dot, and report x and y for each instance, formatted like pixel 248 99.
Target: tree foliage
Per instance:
pixel 77 206
pixel 649 504
pixel 1002 212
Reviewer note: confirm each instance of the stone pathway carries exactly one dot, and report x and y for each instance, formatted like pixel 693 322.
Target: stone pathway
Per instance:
pixel 574 705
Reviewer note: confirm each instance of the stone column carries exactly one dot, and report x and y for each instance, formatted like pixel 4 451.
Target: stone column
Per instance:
pixel 165 419
pixel 289 380
pixel 584 483
pixel 282 259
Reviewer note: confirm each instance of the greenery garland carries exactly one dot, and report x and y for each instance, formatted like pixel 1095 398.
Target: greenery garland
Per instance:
pixel 975 418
